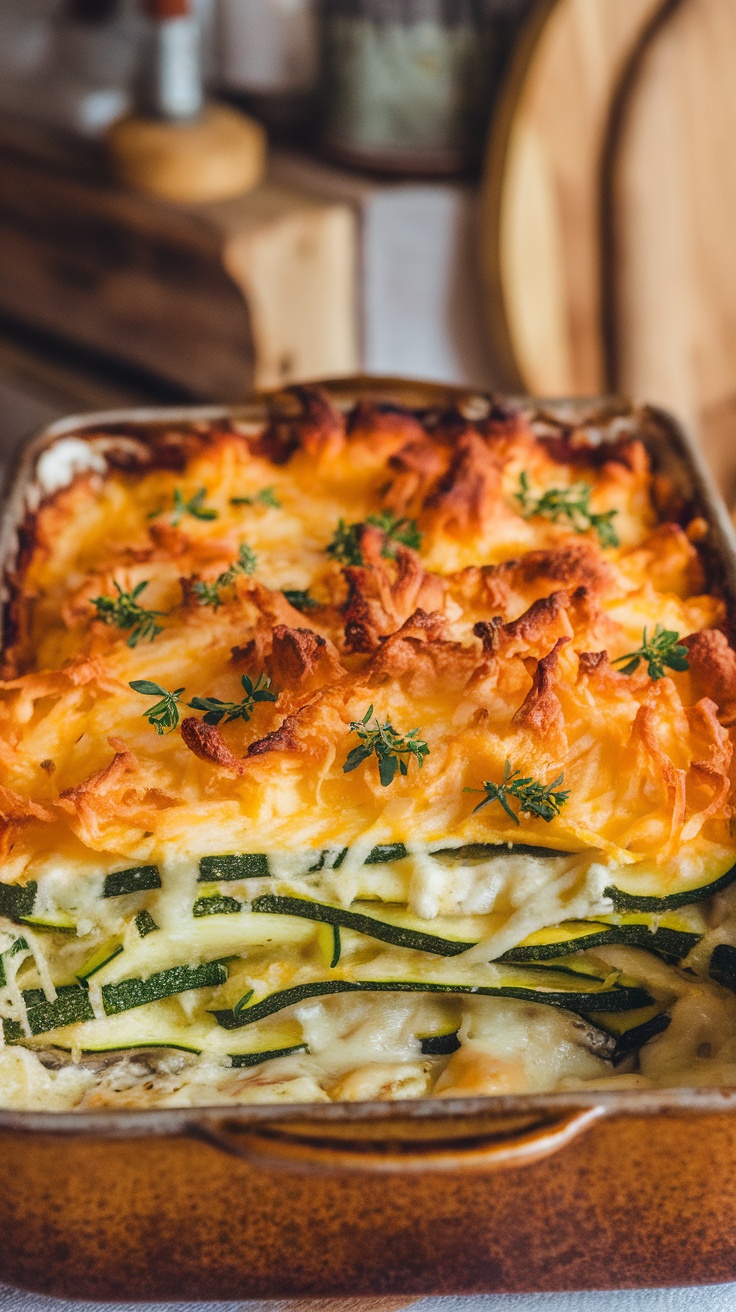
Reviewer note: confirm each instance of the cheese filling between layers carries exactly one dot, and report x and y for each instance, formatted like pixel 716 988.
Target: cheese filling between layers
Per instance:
pixel 199 902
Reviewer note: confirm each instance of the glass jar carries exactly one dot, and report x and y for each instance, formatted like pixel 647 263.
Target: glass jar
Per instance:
pixel 408 85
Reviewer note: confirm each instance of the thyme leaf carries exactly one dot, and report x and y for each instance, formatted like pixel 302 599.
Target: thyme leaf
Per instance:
pixel 217 710
pixel 345 545
pixel 662 649
pixel 194 506
pixel 265 497
pixel 209 593
pixel 164 716
pixel 533 797
pixel 568 503
pixel 125 612
pixel 300 600
pixel 393 750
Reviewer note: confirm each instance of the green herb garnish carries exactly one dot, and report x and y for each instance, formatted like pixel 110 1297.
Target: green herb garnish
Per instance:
pixel 402 531
pixel 662 649
pixel 164 716
pixel 568 503
pixel 345 545
pixel 194 506
pixel 391 748
pixel 125 612
pixel 209 593
pixel 300 600
pixel 266 497
pixel 217 710
pixel 533 798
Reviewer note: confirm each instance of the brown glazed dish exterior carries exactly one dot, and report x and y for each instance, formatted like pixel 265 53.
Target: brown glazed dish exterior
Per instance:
pixel 590 1190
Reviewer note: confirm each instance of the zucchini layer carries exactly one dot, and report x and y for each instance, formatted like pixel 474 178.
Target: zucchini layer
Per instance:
pixel 390 925
pixel 552 988
pixel 630 899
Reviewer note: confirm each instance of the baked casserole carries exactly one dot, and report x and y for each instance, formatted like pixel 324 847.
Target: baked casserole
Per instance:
pixel 363 752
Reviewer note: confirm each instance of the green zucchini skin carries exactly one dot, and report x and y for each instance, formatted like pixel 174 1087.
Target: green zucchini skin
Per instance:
pixel 633 1040
pixel 440 1045
pixel 397 935
pixel 97 961
pixel 138 879
pixel 17 900
pixel 129 993
pixel 670 944
pixel 72 1004
pixel 616 999
pixel 722 966
pixel 481 850
pixel 336 947
pixel 242 865
pixel 623 901
pixel 145 923
pixel 384 852
pixel 255 865
pixel 218 904
pixel 257 1058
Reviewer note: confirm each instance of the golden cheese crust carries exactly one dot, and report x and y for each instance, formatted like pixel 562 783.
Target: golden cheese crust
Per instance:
pixel 492 630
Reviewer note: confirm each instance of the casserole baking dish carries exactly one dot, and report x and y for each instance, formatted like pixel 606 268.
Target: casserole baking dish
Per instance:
pixel 475 1185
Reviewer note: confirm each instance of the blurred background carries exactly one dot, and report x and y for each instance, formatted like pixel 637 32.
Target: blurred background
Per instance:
pixel 200 197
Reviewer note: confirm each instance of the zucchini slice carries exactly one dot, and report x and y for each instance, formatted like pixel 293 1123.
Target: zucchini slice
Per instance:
pixel 440 1045
pixel 17 900
pixel 633 898
pixel 162 1025
pixel 138 879
pixel 555 988
pixel 145 923
pixel 722 966
pixel 257 1058
pixel 389 924
pixel 632 1029
pixel 59 923
pixel 130 993
pixel 215 905
pixel 72 1004
pixel 385 852
pixel 206 938
pixel 103 954
pixel 670 936
pixel 243 865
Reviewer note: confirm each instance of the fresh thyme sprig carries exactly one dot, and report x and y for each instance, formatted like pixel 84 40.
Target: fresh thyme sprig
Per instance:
pixel 164 716
pixel 194 506
pixel 266 497
pixel 568 503
pixel 533 797
pixel 662 649
pixel 391 748
pixel 217 710
pixel 345 545
pixel 125 612
pixel 299 599
pixel 209 593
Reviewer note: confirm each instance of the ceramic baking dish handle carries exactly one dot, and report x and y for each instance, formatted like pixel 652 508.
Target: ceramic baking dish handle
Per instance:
pixel 315 1148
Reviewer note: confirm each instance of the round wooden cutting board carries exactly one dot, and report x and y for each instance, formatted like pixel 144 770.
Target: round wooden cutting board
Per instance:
pixel 609 210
